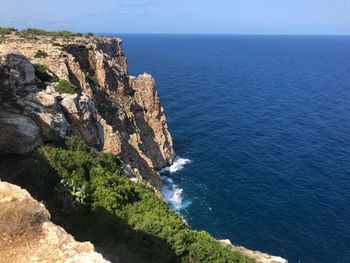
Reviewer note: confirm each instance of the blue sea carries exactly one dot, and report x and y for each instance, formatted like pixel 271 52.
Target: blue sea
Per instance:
pixel 261 127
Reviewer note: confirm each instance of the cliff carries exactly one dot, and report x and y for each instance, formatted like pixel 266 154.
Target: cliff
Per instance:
pixel 109 109
pixel 27 235
pixel 52 87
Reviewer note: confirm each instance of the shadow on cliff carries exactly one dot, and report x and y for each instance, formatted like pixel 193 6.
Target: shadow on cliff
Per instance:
pixel 109 111
pixel 116 240
pixel 149 146
pixel 110 234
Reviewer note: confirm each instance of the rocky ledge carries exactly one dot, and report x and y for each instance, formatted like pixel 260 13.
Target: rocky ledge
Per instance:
pixel 109 109
pixel 27 235
pixel 258 256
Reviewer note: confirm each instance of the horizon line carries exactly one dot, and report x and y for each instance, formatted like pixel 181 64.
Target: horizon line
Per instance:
pixel 237 34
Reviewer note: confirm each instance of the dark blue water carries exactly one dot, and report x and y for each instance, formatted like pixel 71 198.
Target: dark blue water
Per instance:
pixel 265 121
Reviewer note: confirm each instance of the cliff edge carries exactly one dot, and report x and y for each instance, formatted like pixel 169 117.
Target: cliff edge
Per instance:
pixel 53 87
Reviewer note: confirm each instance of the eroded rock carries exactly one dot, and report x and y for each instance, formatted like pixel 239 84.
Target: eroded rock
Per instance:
pixel 111 110
pixel 27 235
pixel 258 256
pixel 18 134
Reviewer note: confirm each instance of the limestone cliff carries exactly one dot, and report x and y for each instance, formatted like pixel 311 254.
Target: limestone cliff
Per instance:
pixel 110 110
pixel 27 235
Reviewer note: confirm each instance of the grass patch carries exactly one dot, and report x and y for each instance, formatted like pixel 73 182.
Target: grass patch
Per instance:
pixel 65 86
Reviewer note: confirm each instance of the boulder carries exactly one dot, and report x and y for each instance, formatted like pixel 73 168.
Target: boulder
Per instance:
pixel 18 134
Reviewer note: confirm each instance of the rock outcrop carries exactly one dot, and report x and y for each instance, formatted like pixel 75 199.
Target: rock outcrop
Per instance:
pixel 111 110
pixel 258 256
pixel 27 235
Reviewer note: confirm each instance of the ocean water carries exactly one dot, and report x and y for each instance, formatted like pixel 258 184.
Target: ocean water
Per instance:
pixel 261 126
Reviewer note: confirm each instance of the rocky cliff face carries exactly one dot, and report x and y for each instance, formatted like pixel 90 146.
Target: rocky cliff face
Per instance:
pixel 27 235
pixel 111 110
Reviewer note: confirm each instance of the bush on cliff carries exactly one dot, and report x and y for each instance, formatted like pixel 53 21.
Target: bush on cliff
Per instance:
pixel 40 54
pixel 94 80
pixel 65 86
pixel 32 32
pixel 7 30
pixel 45 74
pixel 128 213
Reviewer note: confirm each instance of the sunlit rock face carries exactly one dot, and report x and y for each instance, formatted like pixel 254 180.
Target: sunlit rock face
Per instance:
pixel 110 110
pixel 28 235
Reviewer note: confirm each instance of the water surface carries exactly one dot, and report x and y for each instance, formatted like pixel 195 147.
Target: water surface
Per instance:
pixel 265 121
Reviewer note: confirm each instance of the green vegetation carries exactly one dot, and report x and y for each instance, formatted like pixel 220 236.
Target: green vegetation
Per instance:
pixel 55 44
pixel 35 32
pixel 7 30
pixel 44 74
pixel 65 86
pixel 40 54
pixel 89 34
pixel 87 193
pixel 32 32
pixel 94 80
pixel 127 212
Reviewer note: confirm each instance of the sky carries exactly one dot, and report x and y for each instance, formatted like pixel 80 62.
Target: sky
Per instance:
pixel 180 16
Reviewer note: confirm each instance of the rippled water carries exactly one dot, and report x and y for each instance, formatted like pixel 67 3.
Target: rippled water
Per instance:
pixel 265 121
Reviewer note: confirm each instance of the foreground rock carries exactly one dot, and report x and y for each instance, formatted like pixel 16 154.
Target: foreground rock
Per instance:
pixel 110 110
pixel 258 256
pixel 27 235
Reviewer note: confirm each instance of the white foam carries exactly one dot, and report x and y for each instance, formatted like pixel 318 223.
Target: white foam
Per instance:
pixel 173 195
pixel 178 164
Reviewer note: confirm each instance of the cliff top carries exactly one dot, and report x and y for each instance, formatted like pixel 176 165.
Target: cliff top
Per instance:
pixel 36 46
pixel 39 34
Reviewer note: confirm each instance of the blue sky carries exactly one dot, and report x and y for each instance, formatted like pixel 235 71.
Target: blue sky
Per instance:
pixel 181 16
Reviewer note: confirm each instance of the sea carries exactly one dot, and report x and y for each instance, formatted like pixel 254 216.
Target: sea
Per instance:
pixel 261 129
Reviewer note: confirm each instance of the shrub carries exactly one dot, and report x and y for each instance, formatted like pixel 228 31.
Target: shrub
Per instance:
pixel 45 74
pixel 55 44
pixel 65 86
pixel 94 80
pixel 34 31
pixel 64 34
pixel 89 34
pixel 41 85
pixel 7 30
pixel 40 54
pixel 74 143
pixel 30 32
